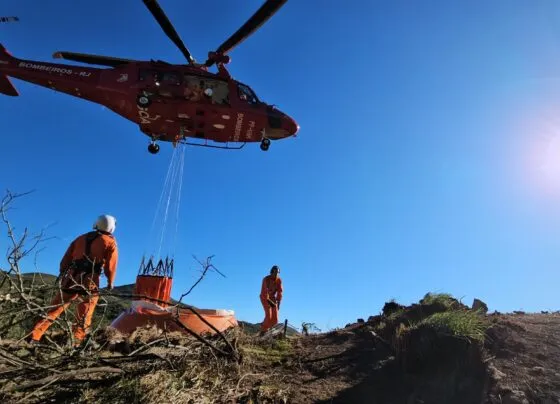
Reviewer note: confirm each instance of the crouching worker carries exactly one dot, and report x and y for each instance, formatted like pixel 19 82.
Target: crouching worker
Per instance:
pixel 80 268
pixel 271 296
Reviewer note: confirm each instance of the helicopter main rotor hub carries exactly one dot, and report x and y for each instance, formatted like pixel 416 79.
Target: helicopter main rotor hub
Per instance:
pixel 219 58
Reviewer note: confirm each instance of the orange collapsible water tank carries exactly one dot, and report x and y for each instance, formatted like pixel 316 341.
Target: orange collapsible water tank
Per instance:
pixel 152 306
pixel 155 287
pixel 143 314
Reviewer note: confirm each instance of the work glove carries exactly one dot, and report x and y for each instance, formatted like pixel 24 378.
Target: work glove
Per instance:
pixel 278 304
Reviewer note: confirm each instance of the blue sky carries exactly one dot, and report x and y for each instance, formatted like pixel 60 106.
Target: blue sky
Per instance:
pixel 427 159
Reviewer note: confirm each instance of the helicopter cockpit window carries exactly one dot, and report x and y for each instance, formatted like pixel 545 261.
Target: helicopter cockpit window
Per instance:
pixel 246 94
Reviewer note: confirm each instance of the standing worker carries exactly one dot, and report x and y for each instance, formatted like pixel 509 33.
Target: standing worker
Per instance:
pixel 271 296
pixel 80 269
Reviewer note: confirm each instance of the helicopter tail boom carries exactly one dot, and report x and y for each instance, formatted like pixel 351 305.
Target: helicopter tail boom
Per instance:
pixel 6 86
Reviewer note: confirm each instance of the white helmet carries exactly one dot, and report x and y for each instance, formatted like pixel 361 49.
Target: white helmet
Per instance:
pixel 105 223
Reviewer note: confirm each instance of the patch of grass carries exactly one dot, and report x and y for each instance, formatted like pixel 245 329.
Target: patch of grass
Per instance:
pixel 444 299
pixel 395 315
pixel 282 345
pixel 458 323
pixel 124 390
pixel 274 352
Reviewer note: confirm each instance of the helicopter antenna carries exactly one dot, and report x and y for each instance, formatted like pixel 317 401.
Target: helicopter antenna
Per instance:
pixel 167 27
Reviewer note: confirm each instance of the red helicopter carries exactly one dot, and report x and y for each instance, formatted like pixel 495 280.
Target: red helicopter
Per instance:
pixel 169 102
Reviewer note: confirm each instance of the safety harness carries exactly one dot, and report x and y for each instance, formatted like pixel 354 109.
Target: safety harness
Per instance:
pixel 86 264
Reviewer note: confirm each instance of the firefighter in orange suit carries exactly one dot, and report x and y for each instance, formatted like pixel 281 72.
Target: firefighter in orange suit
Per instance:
pixel 271 296
pixel 86 257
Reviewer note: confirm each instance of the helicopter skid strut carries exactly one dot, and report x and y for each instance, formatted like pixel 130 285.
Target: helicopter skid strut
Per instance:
pixel 265 142
pixel 153 147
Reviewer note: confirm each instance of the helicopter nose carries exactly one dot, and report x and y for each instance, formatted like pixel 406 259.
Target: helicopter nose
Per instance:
pixel 290 125
pixel 280 125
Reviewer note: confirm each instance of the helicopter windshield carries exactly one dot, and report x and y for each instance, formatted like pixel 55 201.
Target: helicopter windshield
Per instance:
pixel 246 94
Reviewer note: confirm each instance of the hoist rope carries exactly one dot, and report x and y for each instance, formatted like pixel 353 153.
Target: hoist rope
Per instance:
pixel 165 185
pixel 169 202
pixel 182 160
pixel 176 180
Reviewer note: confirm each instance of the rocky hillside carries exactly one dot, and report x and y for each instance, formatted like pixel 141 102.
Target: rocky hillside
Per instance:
pixel 435 351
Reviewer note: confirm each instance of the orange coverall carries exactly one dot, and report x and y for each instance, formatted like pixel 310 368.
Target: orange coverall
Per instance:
pixel 104 252
pixel 271 295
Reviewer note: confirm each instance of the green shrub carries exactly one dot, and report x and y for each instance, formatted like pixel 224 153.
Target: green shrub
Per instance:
pixel 444 299
pixel 458 323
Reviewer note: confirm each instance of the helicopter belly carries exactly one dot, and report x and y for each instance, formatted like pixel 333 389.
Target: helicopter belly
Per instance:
pixel 170 122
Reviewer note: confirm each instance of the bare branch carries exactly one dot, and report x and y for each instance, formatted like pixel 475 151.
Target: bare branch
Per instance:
pixel 205 268
pixel 70 375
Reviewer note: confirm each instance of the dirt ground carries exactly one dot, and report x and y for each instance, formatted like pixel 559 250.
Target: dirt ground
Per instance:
pixel 519 363
pixel 526 358
pixel 352 366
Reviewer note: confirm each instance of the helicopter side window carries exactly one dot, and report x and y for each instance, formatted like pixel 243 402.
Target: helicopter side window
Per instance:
pixel 145 74
pixel 203 89
pixel 217 91
pixel 246 94
pixel 192 88
pixel 171 78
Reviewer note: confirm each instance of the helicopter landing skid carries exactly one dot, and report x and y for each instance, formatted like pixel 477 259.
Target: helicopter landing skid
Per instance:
pixel 212 146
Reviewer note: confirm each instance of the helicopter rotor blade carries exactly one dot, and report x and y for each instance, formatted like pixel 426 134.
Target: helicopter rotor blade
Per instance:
pixel 92 59
pixel 263 14
pixel 167 27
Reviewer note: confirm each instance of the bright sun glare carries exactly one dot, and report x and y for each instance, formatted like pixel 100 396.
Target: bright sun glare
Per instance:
pixel 550 166
pixel 541 152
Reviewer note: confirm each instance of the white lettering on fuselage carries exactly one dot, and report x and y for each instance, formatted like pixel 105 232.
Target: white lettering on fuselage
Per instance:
pixel 145 117
pixel 249 133
pixel 53 69
pixel 4 62
pixel 238 125
pixel 45 68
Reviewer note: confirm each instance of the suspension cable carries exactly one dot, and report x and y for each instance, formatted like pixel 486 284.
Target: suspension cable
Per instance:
pixel 168 205
pixel 182 161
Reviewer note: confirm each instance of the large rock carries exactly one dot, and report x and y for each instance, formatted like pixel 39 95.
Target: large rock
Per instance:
pixel 479 305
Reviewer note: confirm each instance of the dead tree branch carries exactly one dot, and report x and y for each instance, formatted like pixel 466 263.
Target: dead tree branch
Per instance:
pixel 70 375
pixel 206 266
